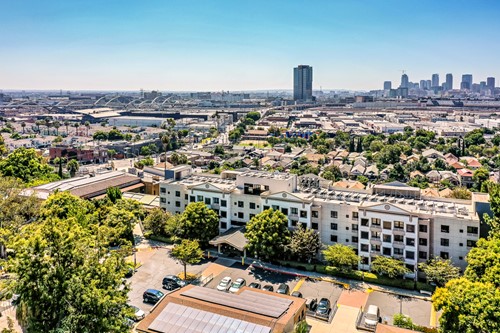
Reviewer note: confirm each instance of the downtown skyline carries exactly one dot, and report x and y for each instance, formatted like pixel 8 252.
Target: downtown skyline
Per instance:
pixel 191 45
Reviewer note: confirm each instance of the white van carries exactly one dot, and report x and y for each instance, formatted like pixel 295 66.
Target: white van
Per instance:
pixel 372 316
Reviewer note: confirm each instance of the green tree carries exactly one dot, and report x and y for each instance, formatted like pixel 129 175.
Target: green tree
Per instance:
pixel 113 194
pixel 64 205
pixel 400 320
pixel 484 261
pixel 479 177
pixel 63 282
pixel 156 221
pixel 439 271
pixel 301 327
pixel 268 234
pixel 72 166
pixel 219 150
pixel 253 115
pixel 26 165
pixel 389 266
pixel 305 243
pixel 199 222
pixel 187 252
pixel 341 256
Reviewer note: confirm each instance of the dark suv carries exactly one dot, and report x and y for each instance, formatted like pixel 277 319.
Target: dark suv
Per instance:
pixel 171 282
pixel 152 296
pixel 283 289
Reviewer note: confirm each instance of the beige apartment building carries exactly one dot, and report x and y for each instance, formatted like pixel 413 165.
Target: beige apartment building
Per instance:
pixel 391 219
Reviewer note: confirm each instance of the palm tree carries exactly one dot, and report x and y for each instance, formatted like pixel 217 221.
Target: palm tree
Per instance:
pixel 38 123
pixel 23 125
pixel 165 139
pixel 56 125
pixel 76 125
pixel 87 124
pixel 47 123
pixel 66 123
pixel 72 166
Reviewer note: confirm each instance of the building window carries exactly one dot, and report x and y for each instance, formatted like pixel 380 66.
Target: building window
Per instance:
pixel 422 255
pixel 333 238
pixel 375 235
pixel 252 205
pixel 386 238
pixel 223 225
pixel 163 190
pixel 445 242
pixel 471 243
pixel 192 198
pixel 223 214
pixel 375 222
pixel 199 198
pixel 399 225
pixel 275 207
pixel 364 234
pixel 315 214
pixel 186 196
pixel 314 226
pixel 422 241
pixel 354 227
pixel 303 214
pixel 241 204
pixel 163 200
pixel 398 252
pixel 364 248
pixel 445 229
pixel 387 225
pixel 177 204
pixel 333 226
pixel 410 241
pixel 387 251
pixel 250 216
pixel 334 214
pixel 375 248
pixel 293 222
pixel 294 211
pixel 355 215
pixel 208 201
pixel 364 222
pixel 223 203
pixel 354 239
pixel 410 255
pixel 241 215
pixel 410 228
pixel 216 201
pixel 472 230
pixel 178 194
pixel 444 255
pixel 398 238
pixel 422 228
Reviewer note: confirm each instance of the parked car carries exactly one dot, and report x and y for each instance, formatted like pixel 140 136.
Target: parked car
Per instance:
pixel 224 284
pixel 171 282
pixel 283 289
pixel 311 303
pixel 297 294
pixel 372 316
pixel 138 313
pixel 268 287
pixel 255 285
pixel 152 296
pixel 240 282
pixel 323 307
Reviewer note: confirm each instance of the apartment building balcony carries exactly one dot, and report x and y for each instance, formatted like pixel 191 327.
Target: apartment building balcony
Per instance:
pixel 400 232
pixel 354 231
pixel 293 216
pixel 398 256
pixel 375 241
pixel 399 245
pixel 375 253
pixel 215 206
pixel 376 228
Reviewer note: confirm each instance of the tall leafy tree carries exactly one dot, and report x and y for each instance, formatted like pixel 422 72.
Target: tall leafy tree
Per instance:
pixel 72 166
pixel 304 243
pixel 267 234
pixel 439 271
pixel 188 252
pixel 26 165
pixel 389 266
pixel 199 222
pixel 156 221
pixel 341 256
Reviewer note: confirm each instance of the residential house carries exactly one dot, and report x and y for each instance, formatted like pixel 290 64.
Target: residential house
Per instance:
pixel 465 177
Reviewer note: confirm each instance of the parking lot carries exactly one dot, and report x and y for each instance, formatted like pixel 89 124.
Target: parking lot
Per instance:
pixel 254 275
pixel 321 289
pixel 156 265
pixel 389 305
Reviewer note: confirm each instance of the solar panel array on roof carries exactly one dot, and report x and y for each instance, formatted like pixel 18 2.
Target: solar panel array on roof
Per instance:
pixel 179 318
pixel 251 301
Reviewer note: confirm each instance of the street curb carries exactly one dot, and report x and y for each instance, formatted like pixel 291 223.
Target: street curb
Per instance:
pixel 376 288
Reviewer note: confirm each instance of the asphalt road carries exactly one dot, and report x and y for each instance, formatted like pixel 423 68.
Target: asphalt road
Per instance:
pixel 321 289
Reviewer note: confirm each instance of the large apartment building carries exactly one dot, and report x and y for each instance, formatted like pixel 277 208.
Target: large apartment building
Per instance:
pixel 391 219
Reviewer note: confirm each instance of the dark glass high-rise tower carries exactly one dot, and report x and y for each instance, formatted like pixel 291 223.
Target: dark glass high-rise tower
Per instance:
pixel 302 83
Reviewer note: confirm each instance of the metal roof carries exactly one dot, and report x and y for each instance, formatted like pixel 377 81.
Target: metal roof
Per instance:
pixel 179 318
pixel 251 301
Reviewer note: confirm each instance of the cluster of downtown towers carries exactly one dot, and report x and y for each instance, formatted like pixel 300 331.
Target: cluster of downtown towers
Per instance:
pixel 434 84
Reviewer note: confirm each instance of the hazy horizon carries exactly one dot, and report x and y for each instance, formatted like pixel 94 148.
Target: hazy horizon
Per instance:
pixel 242 46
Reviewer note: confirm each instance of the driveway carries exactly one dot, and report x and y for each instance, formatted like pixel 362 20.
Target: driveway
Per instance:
pixel 321 289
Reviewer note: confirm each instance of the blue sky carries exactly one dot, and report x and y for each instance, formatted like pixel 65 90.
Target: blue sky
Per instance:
pixel 242 44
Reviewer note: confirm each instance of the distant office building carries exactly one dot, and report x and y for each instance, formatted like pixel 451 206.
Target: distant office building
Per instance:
pixel 404 81
pixel 466 82
pixel 435 80
pixel 302 83
pixel 428 83
pixel 387 85
pixel 423 84
pixel 490 83
pixel 449 81
pixel 402 92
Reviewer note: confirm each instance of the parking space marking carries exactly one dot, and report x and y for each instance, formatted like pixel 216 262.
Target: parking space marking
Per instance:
pixel 433 317
pixel 298 285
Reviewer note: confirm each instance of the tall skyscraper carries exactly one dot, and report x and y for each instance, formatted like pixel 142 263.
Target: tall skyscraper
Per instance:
pixel 466 82
pixel 423 84
pixel 302 83
pixel 387 85
pixel 449 81
pixel 404 81
pixel 435 80
pixel 490 83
